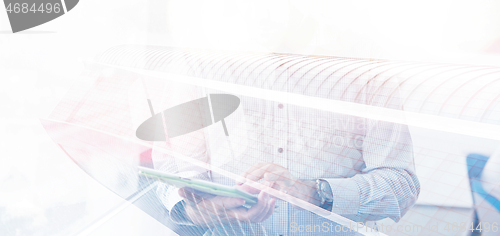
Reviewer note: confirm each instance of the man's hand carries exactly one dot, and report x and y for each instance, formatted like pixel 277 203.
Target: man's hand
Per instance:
pixel 216 210
pixel 281 179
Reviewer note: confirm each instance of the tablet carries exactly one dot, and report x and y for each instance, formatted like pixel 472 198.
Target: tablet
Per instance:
pixel 198 184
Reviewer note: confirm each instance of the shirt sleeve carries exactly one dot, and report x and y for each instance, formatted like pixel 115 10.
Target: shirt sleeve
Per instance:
pixel 387 186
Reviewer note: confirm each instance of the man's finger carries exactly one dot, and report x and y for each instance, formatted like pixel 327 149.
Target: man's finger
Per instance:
pixel 282 175
pixel 260 207
pixel 228 202
pixel 248 188
pixel 182 192
pixel 188 194
pixel 251 169
pixel 262 214
pixel 237 214
pixel 259 171
pixel 270 211
pixel 271 203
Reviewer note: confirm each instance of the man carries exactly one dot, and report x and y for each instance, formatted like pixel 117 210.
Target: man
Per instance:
pixel 356 167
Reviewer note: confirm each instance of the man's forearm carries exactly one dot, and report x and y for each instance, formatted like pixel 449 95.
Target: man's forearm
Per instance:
pixel 375 195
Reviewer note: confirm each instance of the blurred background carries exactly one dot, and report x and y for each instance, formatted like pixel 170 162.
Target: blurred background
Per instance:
pixel 42 192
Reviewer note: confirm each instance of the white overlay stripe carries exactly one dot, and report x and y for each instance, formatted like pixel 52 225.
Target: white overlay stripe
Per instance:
pixel 433 122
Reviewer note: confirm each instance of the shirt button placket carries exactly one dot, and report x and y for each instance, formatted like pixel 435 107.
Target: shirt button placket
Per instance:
pixel 282 135
pixel 280 150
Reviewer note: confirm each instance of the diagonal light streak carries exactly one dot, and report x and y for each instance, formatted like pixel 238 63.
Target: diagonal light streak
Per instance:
pixel 285 197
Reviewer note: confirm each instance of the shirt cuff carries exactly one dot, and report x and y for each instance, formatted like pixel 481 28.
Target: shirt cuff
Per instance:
pixel 178 214
pixel 345 196
pixel 173 198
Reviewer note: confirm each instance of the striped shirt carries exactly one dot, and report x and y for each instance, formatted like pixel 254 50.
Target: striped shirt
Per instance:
pixel 368 163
